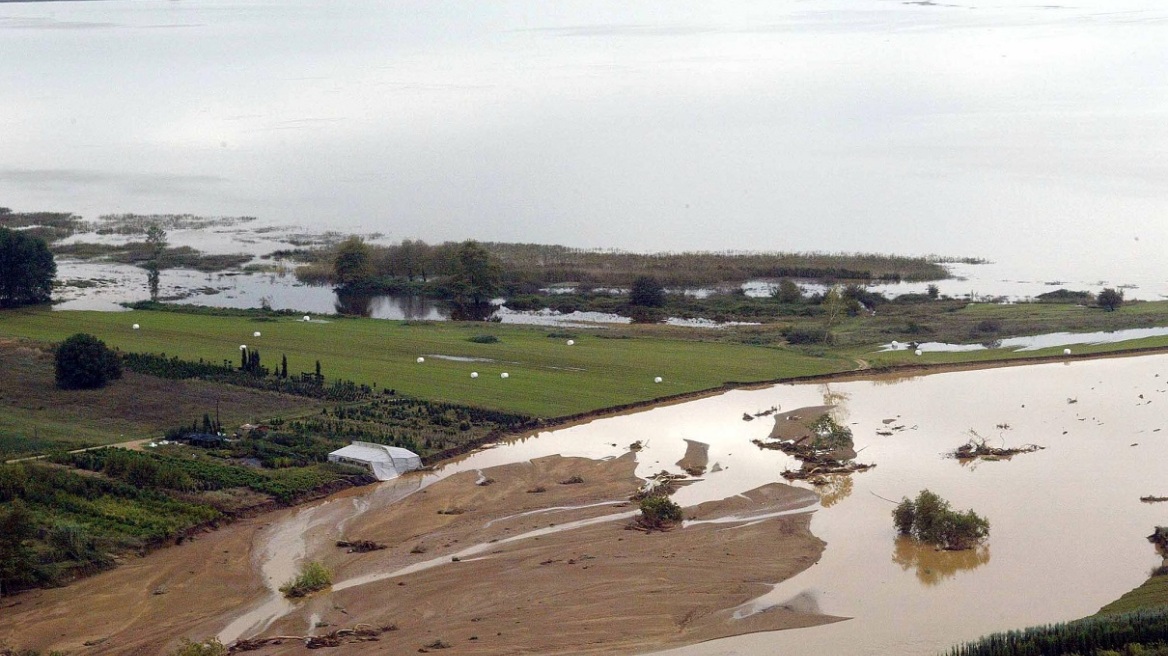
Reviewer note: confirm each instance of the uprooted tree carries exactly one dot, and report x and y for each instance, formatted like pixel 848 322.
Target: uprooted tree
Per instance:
pixel 929 518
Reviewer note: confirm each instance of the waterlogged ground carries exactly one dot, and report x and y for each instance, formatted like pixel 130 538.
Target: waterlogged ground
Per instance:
pixel 1067 531
pixel 1067 524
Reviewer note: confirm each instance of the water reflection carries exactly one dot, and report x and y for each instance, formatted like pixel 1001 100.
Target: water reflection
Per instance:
pixel 837 488
pixel 354 304
pixel 932 566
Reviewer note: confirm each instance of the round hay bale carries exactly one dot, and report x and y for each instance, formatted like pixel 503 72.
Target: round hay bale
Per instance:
pixel 657 379
pixel 504 375
pixel 421 360
pixel 474 374
pixel 571 342
pixel 307 318
pixel 1066 351
pixel 136 326
pixel 243 347
pixel 256 334
pixel 918 351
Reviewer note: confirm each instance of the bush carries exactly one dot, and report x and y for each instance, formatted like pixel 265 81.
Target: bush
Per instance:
pixel 787 292
pixel 313 577
pixel 658 512
pixel 84 362
pixel 646 292
pixel 483 339
pixel 930 519
pixel 1110 299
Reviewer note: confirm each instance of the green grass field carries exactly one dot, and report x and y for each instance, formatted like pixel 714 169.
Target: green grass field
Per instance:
pixel 547 378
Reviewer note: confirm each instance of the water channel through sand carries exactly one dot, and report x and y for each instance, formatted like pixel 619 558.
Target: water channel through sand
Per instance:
pixel 1067 524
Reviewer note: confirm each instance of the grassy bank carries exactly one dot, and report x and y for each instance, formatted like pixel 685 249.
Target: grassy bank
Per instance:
pixel 547 378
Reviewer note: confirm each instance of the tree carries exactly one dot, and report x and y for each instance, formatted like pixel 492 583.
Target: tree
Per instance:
pixel 646 292
pixel 1110 299
pixel 414 258
pixel 353 264
pixel 478 276
pixel 930 519
pixel 155 245
pixel 933 291
pixel 787 292
pixel 84 362
pixel 26 269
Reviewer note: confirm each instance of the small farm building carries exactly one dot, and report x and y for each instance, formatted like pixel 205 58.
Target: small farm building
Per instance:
pixel 386 462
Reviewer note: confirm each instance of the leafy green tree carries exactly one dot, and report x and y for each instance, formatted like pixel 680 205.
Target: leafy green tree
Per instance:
pixel 478 276
pixel 414 258
pixel 646 291
pixel 933 292
pixel 353 264
pixel 930 519
pixel 84 362
pixel 1110 299
pixel 26 269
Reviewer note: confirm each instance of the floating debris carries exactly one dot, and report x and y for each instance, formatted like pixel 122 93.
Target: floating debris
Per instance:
pixel 976 447
pixel 1153 499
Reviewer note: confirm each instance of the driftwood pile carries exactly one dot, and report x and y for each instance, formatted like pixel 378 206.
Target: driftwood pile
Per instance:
pixel 359 633
pixel 1153 499
pixel 822 446
pixel 360 546
pixel 976 447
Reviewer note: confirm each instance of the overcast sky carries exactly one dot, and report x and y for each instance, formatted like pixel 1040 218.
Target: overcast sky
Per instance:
pixel 994 130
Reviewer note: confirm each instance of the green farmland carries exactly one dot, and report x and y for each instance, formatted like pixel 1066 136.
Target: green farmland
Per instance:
pixel 547 378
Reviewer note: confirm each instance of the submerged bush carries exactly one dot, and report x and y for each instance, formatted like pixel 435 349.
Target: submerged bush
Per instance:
pixel 930 519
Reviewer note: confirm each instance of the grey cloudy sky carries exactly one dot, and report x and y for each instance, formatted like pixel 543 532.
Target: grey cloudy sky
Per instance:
pixel 1000 130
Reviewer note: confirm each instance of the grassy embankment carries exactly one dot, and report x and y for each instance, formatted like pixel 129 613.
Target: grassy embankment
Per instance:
pixel 548 378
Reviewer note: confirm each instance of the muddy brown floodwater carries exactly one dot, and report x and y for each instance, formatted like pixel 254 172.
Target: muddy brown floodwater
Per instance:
pixel 1067 528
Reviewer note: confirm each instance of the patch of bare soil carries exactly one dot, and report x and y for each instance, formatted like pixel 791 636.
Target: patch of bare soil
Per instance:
pixel 573 588
pixel 696 458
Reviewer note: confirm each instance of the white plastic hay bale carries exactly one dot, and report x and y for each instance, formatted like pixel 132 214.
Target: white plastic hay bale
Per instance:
pixel 474 374
pixel 571 342
pixel 243 347
pixel 256 334
pixel 918 351
pixel 895 344
pixel 657 379
pixel 307 318
pixel 504 375
pixel 136 326
pixel 1066 351
pixel 421 360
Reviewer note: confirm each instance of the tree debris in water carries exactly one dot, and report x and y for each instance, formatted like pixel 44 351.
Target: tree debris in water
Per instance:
pixel 360 546
pixel 824 448
pixel 359 633
pixel 976 447
pixel 1153 499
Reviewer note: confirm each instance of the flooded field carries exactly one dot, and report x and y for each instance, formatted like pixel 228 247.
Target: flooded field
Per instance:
pixel 1067 524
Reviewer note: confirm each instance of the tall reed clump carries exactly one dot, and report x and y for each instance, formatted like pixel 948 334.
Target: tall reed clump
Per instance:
pixel 313 577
